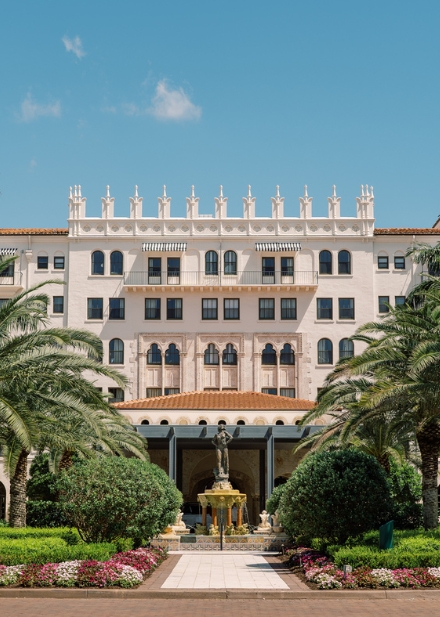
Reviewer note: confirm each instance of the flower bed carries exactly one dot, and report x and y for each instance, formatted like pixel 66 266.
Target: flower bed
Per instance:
pixel 127 569
pixel 322 573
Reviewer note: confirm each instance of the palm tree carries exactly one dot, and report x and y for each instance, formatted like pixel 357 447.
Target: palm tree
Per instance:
pixel 397 374
pixel 41 380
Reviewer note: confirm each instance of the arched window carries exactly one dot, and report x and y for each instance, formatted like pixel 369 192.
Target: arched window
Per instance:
pixel 325 351
pixel 202 422
pixel 97 262
pixel 221 422
pixel 211 354
pixel 154 355
pixel 287 355
pixel 211 262
pixel 269 355
pixel 279 423
pixel 116 351
pixel 230 262
pixel 229 355
pixel 116 262
pixel 145 422
pixel 164 421
pixel 172 355
pixel 325 262
pixel 241 423
pixel 344 262
pixel 346 348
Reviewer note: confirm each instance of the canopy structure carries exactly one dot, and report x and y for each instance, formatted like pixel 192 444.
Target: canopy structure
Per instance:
pixel 164 246
pixel 277 247
pixel 4 251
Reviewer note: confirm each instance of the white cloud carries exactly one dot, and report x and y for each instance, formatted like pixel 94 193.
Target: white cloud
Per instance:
pixel 30 109
pixel 130 109
pixel 33 164
pixel 74 45
pixel 168 104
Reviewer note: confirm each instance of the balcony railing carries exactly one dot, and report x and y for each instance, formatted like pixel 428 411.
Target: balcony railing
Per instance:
pixel 6 280
pixel 154 278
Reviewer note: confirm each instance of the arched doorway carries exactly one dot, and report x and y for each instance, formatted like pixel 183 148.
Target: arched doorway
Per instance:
pixel 2 501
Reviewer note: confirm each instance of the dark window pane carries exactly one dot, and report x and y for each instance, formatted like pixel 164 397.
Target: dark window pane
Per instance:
pixel 174 308
pixel 346 308
pixel 280 422
pixel 269 355
pixel 325 262
pixel 117 395
pixel 230 262
pixel 287 266
pixel 288 308
pixel 211 354
pixel 58 304
pixel 152 308
pixel 344 262
pixel 287 355
pixel 229 355
pixel 154 355
pixel 98 262
pixel 58 262
pixel 211 263
pixel 117 308
pixel 290 393
pixel 94 308
pixel 325 351
pixel 324 308
pixel 169 391
pixel 266 308
pixel 346 348
pixel 152 392
pixel 173 267
pixel 116 262
pixel 268 267
pixel 209 308
pixel 116 351
pixel 232 308
pixel 269 391
pixel 172 355
pixel 399 263
pixel 399 300
pixel 383 304
pixel 164 422
pixel 42 262
pixel 8 271
pixel 203 423
pixel 145 422
pixel 382 262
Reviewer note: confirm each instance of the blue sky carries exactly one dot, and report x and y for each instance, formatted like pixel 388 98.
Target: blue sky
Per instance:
pixel 237 92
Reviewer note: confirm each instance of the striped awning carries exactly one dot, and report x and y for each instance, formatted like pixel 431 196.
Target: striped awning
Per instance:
pixel 277 247
pixel 164 246
pixel 4 251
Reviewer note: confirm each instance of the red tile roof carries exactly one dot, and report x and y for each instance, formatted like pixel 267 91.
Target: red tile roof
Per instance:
pixel 31 231
pixel 407 231
pixel 219 400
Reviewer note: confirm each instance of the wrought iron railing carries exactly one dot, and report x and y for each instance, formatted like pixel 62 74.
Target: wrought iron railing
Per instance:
pixel 246 277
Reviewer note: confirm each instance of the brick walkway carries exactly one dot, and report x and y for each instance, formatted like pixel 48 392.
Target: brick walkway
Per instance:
pixel 408 607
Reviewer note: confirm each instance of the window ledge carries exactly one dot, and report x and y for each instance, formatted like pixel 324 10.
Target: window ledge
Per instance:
pixel 93 321
pixel 323 365
pixel 326 321
pixel 350 321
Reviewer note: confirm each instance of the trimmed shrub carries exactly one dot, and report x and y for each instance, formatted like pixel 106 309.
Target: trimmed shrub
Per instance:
pixel 111 497
pixel 44 514
pixel 334 496
pixel 42 508
pixel 55 550
pixel 34 532
pixel 406 494
pixel 360 556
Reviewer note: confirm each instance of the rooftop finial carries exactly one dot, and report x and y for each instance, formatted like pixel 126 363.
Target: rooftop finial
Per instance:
pixel 75 191
pixel 107 194
pixel 192 191
pixel 367 194
pixel 221 190
pixel 79 190
pixel 371 191
pixel 249 191
pixel 278 190
pixel 334 190
pixel 305 191
pixel 70 192
pixel 164 190
pixel 362 191
pixel 136 194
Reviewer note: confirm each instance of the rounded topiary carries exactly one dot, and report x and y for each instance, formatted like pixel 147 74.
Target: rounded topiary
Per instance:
pixel 114 497
pixel 335 495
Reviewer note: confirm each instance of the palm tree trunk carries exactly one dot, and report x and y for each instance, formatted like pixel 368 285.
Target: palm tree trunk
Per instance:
pixel 66 461
pixel 17 516
pixel 429 443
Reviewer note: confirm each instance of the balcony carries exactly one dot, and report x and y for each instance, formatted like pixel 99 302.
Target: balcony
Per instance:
pixel 304 280
pixel 10 284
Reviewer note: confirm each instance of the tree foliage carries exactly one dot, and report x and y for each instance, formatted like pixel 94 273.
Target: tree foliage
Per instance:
pixel 406 494
pixel 111 498
pixel 334 496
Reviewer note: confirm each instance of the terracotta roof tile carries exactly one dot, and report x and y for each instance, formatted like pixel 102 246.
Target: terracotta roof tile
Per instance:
pixel 33 231
pixel 219 400
pixel 407 231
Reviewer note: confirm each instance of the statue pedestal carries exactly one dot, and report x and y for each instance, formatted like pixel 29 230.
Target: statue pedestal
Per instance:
pixel 264 530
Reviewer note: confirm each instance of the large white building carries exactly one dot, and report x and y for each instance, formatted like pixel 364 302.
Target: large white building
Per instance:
pixel 217 303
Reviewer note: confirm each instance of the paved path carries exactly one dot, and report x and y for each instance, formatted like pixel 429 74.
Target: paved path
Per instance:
pixel 41 607
pixel 223 571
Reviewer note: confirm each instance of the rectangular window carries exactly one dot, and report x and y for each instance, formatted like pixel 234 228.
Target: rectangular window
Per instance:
pixel 266 308
pixel 289 392
pixel 231 308
pixel 209 308
pixel 324 308
pixel 346 308
pixel 117 395
pixel 288 308
pixel 173 269
pixel 399 300
pixel 117 308
pixel 268 269
pixel 169 391
pixel 286 266
pixel 8 271
pixel 42 262
pixel 152 308
pixel 94 308
pixel 174 308
pixel 383 302
pixel 154 270
pixel 211 389
pixel 58 304
pixel 269 390
pixel 58 262
pixel 382 262
pixel 399 262
pixel 3 301
pixel 152 392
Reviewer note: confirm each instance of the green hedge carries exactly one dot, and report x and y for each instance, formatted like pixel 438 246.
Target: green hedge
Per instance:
pixel 50 550
pixel 359 556
pixel 33 532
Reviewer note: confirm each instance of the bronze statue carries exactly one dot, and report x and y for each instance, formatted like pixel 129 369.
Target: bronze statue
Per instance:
pixel 221 441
